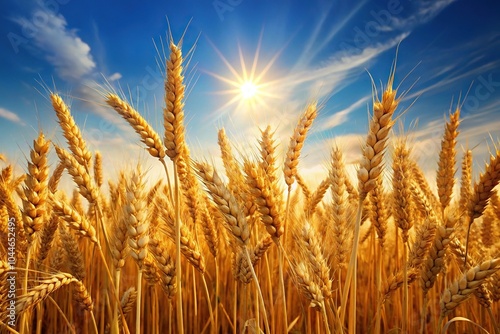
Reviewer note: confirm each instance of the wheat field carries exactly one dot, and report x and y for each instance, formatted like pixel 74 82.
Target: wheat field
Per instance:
pixel 250 246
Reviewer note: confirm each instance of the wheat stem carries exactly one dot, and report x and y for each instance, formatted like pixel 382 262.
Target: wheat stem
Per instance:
pixel 351 273
pixel 138 302
pixel 178 273
pixel 261 297
pixel 209 302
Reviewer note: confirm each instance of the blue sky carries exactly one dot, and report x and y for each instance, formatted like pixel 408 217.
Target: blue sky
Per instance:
pixel 300 50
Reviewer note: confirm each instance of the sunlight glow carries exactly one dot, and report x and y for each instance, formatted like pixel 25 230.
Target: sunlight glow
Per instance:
pixel 249 90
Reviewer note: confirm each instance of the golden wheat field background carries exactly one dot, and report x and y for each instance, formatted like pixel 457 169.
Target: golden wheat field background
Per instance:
pixel 180 239
pixel 251 247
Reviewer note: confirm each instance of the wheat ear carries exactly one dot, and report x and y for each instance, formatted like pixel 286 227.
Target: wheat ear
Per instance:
pixel 483 190
pixel 461 289
pixel 75 260
pixel 173 114
pixel 268 154
pixel 80 176
pixel 47 235
pixel 73 219
pixel 445 178
pixel 35 189
pixel 339 205
pixel 189 248
pixel 297 142
pixel 401 178
pixel 148 135
pixel 43 290
pixel 71 132
pixel 234 218
pixel 267 199
pixel 56 177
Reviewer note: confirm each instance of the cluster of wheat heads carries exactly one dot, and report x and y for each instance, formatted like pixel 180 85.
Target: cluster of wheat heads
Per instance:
pixel 253 247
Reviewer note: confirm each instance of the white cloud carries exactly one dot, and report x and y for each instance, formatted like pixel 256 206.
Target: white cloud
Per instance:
pixel 61 46
pixel 11 116
pixel 114 77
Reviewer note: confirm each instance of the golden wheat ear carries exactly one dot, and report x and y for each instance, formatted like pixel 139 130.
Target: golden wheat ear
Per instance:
pixel 173 114
pixel 71 132
pixel 297 142
pixel 445 178
pixel 148 135
pixel 461 289
pixel 36 186
pixel 483 190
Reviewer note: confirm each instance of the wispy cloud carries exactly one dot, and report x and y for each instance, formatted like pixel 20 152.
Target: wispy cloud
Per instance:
pixel 342 116
pixel 11 116
pixel 452 78
pixel 424 11
pixel 61 46
pixel 317 42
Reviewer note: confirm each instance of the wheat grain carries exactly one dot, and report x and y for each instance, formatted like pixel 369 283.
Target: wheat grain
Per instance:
pixel 189 247
pixel 6 175
pixel 487 228
pixel 317 195
pixel 311 250
pixel 378 212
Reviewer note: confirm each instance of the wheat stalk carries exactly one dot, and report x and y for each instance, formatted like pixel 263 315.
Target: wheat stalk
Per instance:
pixel 369 171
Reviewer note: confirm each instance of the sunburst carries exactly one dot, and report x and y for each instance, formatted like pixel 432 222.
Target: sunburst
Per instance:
pixel 250 89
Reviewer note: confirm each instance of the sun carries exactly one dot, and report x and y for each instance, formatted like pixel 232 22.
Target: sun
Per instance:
pixel 249 90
